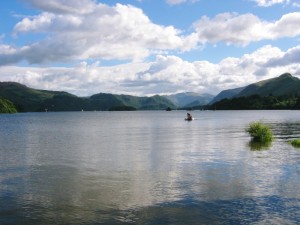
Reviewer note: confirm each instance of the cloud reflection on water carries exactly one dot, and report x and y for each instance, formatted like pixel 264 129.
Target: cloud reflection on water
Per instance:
pixel 146 167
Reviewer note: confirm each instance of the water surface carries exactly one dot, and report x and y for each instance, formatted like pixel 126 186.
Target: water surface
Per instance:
pixel 148 167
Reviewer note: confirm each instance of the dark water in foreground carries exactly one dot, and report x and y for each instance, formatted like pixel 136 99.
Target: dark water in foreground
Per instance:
pixel 148 168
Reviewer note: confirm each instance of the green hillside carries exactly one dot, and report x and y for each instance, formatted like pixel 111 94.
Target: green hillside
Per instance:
pixel 282 92
pixel 230 93
pixel 155 102
pixel 7 106
pixel 31 100
pixel 285 84
pixel 105 101
pixel 257 102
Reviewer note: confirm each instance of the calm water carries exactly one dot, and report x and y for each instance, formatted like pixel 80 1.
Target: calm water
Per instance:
pixel 148 168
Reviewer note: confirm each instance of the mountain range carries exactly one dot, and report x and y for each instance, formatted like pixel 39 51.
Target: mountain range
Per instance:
pixel 32 100
pixel 27 99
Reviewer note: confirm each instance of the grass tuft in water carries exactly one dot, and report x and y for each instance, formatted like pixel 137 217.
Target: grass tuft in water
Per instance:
pixel 260 132
pixel 295 143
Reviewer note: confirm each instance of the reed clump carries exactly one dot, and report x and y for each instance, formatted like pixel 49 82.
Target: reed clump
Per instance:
pixel 260 132
pixel 295 143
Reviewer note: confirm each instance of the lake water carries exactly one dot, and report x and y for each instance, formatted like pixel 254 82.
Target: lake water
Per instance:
pixel 148 167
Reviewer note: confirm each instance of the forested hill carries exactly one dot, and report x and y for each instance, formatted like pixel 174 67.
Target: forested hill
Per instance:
pixel 284 85
pixel 282 92
pixel 32 100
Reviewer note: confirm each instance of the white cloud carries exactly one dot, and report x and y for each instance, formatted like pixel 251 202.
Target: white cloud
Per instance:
pixel 121 32
pixel 243 29
pixel 177 2
pixel 292 56
pixel 166 74
pixel 82 30
pixel 267 3
pixel 64 6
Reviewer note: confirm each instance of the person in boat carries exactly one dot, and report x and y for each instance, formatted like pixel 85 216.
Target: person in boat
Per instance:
pixel 189 116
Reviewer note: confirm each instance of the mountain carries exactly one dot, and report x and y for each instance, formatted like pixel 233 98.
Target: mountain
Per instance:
pixel 230 93
pixel 189 99
pixel 281 92
pixel 28 99
pixel 104 101
pixel 32 100
pixel 285 84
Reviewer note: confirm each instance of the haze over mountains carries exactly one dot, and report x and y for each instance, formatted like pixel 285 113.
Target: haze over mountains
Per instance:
pixel 189 99
pixel 27 99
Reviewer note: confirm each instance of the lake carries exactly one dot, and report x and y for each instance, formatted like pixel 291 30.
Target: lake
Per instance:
pixel 148 167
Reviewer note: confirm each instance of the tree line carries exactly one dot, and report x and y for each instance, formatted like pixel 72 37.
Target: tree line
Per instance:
pixel 257 102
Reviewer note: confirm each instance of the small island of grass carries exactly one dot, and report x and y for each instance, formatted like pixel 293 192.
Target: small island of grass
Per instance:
pixel 295 143
pixel 260 132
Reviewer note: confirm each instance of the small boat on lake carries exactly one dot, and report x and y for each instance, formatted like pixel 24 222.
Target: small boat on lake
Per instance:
pixel 188 117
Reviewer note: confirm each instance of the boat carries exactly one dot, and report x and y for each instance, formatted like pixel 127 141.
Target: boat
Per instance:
pixel 188 117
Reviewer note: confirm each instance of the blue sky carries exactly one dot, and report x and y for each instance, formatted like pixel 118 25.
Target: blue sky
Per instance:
pixel 147 47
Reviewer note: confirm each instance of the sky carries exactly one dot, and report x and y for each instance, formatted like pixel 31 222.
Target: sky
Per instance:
pixel 147 47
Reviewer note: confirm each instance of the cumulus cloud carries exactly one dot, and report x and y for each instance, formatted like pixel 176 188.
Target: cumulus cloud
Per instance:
pixel 292 56
pixel 164 75
pixel 85 29
pixel 234 29
pixel 82 30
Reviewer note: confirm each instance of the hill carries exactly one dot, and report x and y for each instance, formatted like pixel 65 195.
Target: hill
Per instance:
pixel 257 102
pixel 285 84
pixel 230 93
pixel 7 106
pixel 104 101
pixel 189 99
pixel 281 92
pixel 32 100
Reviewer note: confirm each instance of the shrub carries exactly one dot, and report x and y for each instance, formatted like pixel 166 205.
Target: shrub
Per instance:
pixel 295 143
pixel 260 132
